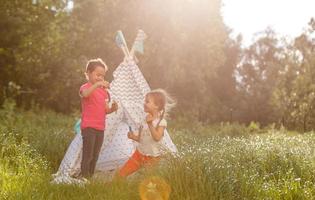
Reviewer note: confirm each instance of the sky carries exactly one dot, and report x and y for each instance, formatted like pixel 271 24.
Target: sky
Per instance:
pixel 287 17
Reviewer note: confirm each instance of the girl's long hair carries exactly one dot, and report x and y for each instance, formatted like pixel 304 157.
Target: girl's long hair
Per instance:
pixel 164 102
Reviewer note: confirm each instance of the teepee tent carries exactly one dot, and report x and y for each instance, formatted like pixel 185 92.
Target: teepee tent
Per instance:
pixel 128 89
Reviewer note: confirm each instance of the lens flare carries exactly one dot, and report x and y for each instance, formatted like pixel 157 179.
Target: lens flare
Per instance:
pixel 154 188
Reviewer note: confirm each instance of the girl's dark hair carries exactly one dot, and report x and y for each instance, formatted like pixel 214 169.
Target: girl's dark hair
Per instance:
pixel 93 63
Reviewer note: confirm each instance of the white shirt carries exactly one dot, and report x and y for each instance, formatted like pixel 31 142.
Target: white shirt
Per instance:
pixel 147 145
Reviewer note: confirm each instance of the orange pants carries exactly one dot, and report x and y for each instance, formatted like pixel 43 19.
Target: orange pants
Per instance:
pixel 136 161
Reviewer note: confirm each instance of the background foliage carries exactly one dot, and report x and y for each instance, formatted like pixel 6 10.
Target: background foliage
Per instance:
pixel 45 45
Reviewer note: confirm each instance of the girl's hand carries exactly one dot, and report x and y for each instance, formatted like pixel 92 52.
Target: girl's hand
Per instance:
pixel 140 129
pixel 114 106
pixel 149 118
pixel 130 135
pixel 102 84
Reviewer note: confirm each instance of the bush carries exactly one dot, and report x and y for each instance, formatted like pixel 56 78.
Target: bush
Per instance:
pixel 46 131
pixel 21 167
pixel 235 129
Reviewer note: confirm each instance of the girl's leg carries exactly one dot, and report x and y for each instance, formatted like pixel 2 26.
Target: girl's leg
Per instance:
pixel 99 137
pixel 132 165
pixel 88 138
pixel 150 162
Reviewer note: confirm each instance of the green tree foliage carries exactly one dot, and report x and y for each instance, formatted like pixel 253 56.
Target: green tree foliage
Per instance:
pixel 45 45
pixel 295 94
pixel 258 72
pixel 36 53
pixel 185 51
pixel 223 86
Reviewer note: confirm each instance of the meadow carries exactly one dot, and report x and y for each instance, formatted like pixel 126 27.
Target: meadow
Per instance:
pixel 223 161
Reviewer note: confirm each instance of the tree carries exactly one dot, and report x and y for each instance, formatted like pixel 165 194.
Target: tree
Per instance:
pixel 258 72
pixel 185 52
pixel 295 94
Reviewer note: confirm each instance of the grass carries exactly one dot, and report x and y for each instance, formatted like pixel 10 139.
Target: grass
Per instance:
pixel 224 161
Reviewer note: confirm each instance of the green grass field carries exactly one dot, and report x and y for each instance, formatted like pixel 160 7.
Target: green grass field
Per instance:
pixel 227 161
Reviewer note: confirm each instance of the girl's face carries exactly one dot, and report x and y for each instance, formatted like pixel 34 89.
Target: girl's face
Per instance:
pixel 149 105
pixel 98 74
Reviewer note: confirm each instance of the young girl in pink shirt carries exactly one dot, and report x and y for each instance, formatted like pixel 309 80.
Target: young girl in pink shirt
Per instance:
pixel 94 104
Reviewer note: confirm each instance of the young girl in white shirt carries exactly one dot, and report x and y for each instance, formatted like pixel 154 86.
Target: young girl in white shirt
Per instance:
pixel 149 148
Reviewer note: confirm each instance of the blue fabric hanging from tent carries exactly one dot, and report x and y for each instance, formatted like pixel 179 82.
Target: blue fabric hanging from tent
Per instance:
pixel 77 127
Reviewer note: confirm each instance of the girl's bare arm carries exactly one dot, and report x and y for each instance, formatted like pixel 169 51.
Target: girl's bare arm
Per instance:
pixel 134 137
pixel 157 133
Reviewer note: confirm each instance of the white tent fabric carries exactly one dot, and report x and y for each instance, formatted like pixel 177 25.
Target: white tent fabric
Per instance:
pixel 128 89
